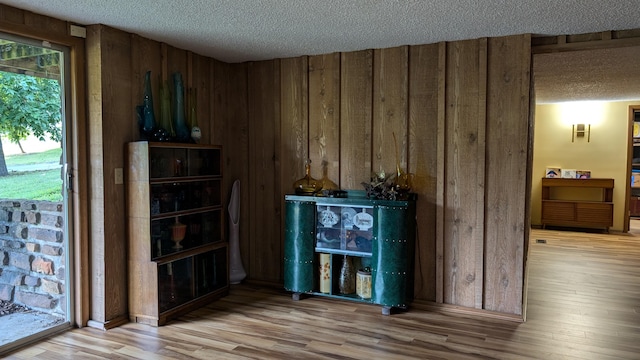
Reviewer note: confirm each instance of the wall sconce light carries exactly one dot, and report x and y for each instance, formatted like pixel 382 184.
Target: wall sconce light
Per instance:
pixel 579 130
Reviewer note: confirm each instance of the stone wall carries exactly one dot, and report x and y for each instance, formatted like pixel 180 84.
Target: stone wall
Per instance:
pixel 32 256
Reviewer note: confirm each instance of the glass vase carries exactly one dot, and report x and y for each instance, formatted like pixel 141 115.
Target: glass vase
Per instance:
pixel 347 280
pixel 307 185
pixel 328 186
pixel 183 134
pixel 146 116
pixel 178 231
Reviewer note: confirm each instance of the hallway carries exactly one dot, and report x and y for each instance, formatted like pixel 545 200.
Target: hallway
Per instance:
pixel 584 287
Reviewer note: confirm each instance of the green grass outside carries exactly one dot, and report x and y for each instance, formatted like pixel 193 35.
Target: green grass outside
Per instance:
pixel 32 185
pixel 48 156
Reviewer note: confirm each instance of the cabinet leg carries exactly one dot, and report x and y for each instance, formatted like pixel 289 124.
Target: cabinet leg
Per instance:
pixel 386 310
pixel 295 296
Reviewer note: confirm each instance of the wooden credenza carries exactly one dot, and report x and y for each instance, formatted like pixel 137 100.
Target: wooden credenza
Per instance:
pixel 577 212
pixel 634 206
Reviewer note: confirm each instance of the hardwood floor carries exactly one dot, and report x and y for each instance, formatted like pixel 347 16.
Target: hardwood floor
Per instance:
pixel 583 303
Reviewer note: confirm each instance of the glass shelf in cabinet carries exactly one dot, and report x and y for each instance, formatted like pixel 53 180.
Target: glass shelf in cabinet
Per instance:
pixel 211 271
pixel 175 283
pixel 343 252
pixel 167 162
pixel 167 197
pixel 204 162
pixel 199 229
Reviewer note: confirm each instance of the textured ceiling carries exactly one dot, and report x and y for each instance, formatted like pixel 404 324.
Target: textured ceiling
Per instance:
pixel 603 74
pixel 246 30
pixel 242 30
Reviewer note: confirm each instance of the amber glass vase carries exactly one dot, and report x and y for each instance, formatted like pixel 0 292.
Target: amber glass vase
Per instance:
pixel 307 185
pixel 327 184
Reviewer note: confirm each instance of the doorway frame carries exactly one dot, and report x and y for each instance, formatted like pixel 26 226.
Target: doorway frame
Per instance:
pixel 77 124
pixel 627 211
pixel 66 302
pixel 593 41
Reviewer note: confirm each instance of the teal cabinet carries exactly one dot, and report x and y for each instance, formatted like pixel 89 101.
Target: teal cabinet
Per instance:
pixel 351 248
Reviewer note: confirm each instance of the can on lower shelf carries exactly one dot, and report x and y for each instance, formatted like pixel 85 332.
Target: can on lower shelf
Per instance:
pixel 325 273
pixel 363 284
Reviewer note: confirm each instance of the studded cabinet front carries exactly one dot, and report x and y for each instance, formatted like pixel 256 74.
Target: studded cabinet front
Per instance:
pixel 299 246
pixel 375 236
pixel 392 256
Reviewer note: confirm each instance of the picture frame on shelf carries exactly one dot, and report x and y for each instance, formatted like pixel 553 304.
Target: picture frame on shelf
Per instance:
pixel 583 174
pixel 553 172
pixel 568 173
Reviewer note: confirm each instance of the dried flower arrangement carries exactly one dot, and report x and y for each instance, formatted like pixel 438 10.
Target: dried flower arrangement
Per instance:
pixel 381 186
pixel 393 187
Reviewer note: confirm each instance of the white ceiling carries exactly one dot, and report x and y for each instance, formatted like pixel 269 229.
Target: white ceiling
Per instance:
pixel 244 30
pixel 597 74
pixel 253 30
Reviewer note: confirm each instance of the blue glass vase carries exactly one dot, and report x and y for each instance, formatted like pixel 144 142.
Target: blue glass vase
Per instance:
pixel 183 134
pixel 146 117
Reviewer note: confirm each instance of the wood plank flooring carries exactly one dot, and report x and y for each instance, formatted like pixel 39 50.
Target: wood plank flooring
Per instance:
pixel 583 303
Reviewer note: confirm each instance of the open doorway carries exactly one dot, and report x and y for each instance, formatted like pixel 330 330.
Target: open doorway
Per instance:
pixel 35 251
pixel 604 81
pixel 634 168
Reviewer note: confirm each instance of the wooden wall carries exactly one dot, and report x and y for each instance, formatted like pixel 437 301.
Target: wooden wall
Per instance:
pixel 450 106
pixel 117 63
pixel 107 103
pixel 460 112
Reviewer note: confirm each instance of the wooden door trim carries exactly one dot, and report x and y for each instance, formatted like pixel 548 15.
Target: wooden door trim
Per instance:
pixel 627 214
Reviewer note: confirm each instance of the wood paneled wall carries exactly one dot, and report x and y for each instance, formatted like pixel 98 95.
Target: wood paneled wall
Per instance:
pixel 508 163
pixel 117 62
pixel 109 101
pixel 460 114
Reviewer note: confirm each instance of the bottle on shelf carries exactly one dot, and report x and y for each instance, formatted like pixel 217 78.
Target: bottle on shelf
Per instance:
pixel 347 280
